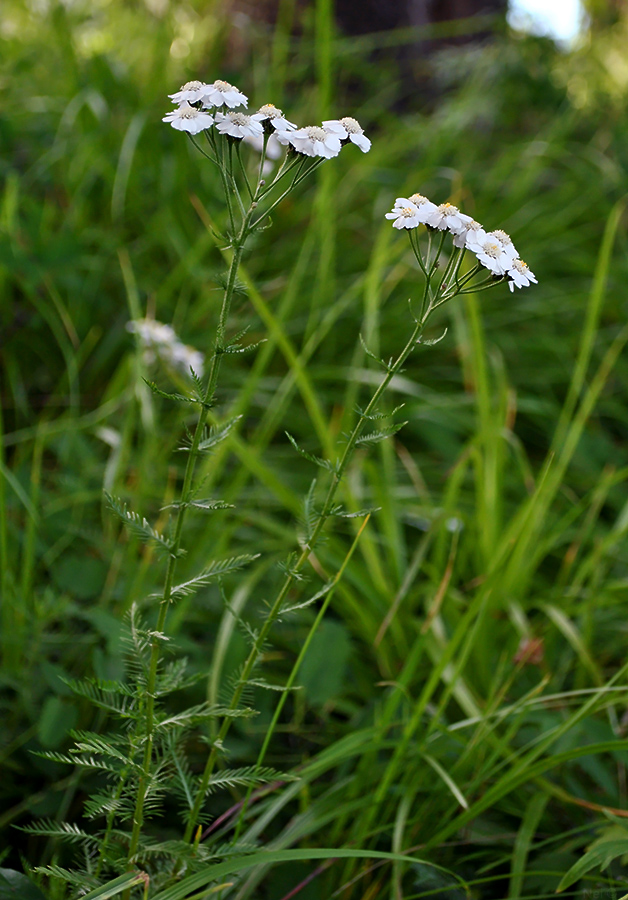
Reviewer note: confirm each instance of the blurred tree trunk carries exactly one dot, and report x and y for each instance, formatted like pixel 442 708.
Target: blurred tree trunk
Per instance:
pixel 366 16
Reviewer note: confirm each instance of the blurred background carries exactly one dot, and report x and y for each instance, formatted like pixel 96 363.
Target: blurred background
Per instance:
pixel 516 113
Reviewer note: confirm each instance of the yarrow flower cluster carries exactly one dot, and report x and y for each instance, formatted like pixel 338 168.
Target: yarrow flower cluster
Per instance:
pixel 160 341
pixel 493 249
pixel 195 100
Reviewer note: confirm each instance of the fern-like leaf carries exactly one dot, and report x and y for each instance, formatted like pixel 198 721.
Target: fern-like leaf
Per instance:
pixel 321 463
pixel 373 356
pixel 216 569
pixel 360 514
pixel 376 436
pixel 64 830
pixel 80 879
pixel 377 416
pixel 140 526
pixel 211 437
pixel 114 696
pixel 179 398
pixel 207 505
pixel 250 776
pixel 305 603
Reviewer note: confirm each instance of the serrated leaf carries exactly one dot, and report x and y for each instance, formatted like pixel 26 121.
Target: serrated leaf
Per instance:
pixel 178 398
pixel 305 603
pixel 246 777
pixel 259 682
pixel 372 355
pixel 77 878
pixel 205 505
pixel 212 436
pixel 195 714
pixel 198 384
pixel 215 569
pixel 433 341
pixel 360 514
pixel 288 569
pixel 309 512
pixel 140 526
pixel 376 416
pixel 376 436
pixel 238 348
pixel 322 463
pixel 64 830
pixel 113 696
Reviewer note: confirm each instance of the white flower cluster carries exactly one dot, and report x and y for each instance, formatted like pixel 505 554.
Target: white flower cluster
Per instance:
pixel 493 249
pixel 195 100
pixel 160 341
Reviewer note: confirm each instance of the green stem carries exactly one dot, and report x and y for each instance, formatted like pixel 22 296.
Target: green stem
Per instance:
pixel 151 683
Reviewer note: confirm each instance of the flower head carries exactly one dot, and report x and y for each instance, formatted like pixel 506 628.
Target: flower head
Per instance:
pixel 519 274
pixel 221 93
pixel 448 217
pixel 490 252
pixel 404 216
pixel 239 125
pixel 471 232
pixel 192 91
pixel 410 212
pixel 506 242
pixel 312 141
pixel 270 113
pixel 349 129
pixel 188 118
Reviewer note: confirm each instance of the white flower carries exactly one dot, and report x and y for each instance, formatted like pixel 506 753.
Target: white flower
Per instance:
pixel 239 125
pixel 221 93
pixel 472 231
pixel 187 118
pixel 404 216
pixel 276 117
pixel 448 217
pixel 159 340
pixel 490 252
pixel 312 141
pixel 520 275
pixel 410 212
pixel 192 91
pixel 349 129
pixel 506 242
pixel 425 207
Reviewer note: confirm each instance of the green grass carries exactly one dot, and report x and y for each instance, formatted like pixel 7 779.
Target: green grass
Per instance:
pixel 416 730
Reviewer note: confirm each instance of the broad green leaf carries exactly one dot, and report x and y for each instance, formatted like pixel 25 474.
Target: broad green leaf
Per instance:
pixel 57 718
pixel 16 886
